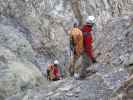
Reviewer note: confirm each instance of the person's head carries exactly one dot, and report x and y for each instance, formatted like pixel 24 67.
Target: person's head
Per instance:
pixel 76 23
pixel 56 62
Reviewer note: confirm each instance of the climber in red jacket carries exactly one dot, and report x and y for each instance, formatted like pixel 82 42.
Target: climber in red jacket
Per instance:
pixel 56 71
pixel 88 39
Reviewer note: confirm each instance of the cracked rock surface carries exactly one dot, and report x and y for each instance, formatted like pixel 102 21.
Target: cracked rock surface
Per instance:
pixel 33 33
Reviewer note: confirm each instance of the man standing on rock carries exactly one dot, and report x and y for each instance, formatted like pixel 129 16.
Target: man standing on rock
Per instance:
pixel 87 38
pixel 76 46
pixel 87 56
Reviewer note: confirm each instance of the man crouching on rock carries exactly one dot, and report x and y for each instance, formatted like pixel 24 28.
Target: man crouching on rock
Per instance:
pixel 56 71
pixel 53 71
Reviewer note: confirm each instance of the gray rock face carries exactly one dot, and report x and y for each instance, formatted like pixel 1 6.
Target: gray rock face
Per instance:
pixel 106 9
pixel 33 33
pixel 49 19
pixel 116 51
pixel 108 78
pixel 70 89
pixel 17 72
pixel 117 46
pixel 43 24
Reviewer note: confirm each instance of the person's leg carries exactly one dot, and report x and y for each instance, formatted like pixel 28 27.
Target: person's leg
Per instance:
pixel 78 64
pixel 83 67
pixel 71 68
pixel 90 55
pixel 75 66
pixel 85 64
pixel 78 67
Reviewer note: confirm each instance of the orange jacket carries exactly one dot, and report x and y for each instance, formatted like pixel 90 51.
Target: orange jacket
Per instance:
pixel 77 36
pixel 50 69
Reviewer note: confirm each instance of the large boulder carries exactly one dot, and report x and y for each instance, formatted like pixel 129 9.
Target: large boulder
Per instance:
pixel 16 75
pixel 17 70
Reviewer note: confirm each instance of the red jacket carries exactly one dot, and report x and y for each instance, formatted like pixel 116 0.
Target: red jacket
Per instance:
pixel 87 28
pixel 56 71
pixel 87 35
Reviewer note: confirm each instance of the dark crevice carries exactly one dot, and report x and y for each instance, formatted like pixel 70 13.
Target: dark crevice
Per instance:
pixel 75 4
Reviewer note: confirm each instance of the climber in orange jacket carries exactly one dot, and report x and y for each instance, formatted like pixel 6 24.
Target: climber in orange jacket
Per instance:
pixel 76 46
pixel 76 40
pixel 88 39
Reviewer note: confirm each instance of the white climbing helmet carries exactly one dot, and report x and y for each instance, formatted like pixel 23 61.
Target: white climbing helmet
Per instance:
pixel 56 62
pixel 90 19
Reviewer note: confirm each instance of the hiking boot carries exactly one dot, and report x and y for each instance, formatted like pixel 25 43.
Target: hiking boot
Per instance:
pixel 72 74
pixel 94 61
pixel 82 77
pixel 91 72
pixel 76 76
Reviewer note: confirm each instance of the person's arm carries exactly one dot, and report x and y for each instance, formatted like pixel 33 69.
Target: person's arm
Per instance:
pixel 126 82
pixel 129 79
pixel 71 43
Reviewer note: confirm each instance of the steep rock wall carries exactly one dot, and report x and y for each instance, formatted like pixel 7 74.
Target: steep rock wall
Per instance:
pixel 40 31
pixel 47 20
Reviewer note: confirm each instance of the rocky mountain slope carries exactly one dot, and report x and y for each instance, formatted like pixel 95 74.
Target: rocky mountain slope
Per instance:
pixel 33 33
pixel 111 71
